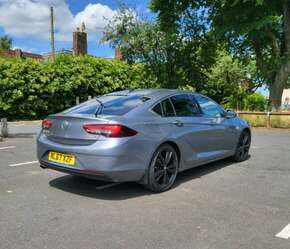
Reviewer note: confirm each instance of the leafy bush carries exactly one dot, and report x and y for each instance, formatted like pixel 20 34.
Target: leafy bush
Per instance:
pixel 247 102
pixel 255 102
pixel 32 89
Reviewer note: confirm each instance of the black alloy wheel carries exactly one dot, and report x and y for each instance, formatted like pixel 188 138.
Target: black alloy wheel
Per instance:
pixel 163 169
pixel 243 147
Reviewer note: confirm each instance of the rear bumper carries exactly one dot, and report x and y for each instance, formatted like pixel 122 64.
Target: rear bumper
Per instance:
pixel 119 176
pixel 122 161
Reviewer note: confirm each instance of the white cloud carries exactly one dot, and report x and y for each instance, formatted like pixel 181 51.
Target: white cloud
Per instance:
pixel 95 16
pixel 31 18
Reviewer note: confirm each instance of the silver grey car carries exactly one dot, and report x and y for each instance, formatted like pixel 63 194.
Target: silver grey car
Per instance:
pixel 146 136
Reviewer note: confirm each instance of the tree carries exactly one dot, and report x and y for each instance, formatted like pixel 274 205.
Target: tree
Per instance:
pixel 252 28
pixel 230 78
pixel 5 42
pixel 176 59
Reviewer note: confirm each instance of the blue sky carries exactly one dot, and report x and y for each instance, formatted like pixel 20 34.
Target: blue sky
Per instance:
pixel 27 22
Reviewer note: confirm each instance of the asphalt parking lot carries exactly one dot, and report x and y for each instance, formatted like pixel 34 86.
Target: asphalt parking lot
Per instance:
pixel 222 205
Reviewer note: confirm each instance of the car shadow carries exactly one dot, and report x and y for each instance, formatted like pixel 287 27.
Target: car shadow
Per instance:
pixel 87 187
pixel 202 170
pixel 90 188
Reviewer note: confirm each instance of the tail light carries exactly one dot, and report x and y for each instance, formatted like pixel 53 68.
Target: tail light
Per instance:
pixel 46 124
pixel 109 130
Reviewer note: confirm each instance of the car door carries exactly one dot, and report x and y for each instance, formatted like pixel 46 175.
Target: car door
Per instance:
pixel 176 124
pixel 196 131
pixel 219 132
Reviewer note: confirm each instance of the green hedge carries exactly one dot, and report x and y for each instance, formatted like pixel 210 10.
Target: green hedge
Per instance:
pixel 32 89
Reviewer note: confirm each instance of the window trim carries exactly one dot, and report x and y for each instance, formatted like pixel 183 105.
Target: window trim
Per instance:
pixel 172 107
pixel 159 102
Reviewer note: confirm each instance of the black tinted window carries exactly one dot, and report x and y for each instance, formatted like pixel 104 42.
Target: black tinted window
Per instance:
pixel 112 105
pixel 121 106
pixel 167 108
pixel 184 105
pixel 157 109
pixel 208 106
pixel 88 107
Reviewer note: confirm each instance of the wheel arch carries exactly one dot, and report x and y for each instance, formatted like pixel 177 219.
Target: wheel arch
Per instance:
pixel 248 130
pixel 174 145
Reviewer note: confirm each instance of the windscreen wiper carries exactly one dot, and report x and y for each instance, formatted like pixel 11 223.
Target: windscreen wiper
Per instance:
pixel 100 108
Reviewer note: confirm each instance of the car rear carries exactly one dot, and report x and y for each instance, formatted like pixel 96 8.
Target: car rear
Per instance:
pixel 95 143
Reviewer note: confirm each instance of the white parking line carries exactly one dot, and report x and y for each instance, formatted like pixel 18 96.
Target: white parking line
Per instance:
pixel 17 125
pixel 20 164
pixel 285 233
pixel 8 147
pixel 255 147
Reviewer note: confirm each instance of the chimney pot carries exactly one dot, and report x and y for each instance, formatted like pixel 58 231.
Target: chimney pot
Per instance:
pixel 118 54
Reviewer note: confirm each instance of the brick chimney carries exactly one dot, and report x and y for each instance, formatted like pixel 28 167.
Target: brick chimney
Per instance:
pixel 118 54
pixel 18 53
pixel 80 45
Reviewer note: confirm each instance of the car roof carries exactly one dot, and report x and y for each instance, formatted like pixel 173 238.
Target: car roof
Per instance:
pixel 152 93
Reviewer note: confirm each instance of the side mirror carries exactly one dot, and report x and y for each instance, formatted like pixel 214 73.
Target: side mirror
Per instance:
pixel 230 114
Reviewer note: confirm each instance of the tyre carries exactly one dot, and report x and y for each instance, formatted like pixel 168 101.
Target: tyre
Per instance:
pixel 243 147
pixel 163 169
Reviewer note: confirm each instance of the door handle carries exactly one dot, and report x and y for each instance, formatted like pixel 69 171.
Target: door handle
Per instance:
pixel 213 121
pixel 178 123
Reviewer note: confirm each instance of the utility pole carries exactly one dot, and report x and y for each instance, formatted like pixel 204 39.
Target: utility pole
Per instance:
pixel 52 33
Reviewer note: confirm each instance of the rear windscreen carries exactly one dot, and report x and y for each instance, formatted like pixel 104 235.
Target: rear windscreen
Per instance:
pixel 115 105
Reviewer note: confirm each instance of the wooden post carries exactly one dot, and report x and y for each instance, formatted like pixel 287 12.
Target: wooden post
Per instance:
pixel 268 120
pixel 4 127
pixel 77 100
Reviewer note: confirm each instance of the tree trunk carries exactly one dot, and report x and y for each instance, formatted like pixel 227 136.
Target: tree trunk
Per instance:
pixel 281 77
pixel 275 97
pixel 278 85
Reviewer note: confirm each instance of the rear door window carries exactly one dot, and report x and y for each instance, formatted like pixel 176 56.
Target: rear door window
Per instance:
pixel 184 105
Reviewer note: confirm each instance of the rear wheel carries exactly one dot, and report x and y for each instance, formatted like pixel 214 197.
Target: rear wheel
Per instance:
pixel 243 147
pixel 163 169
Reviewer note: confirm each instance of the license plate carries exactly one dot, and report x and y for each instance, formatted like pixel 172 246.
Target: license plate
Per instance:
pixel 61 158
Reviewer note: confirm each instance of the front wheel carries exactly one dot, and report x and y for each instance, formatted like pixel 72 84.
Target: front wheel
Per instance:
pixel 243 147
pixel 163 169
